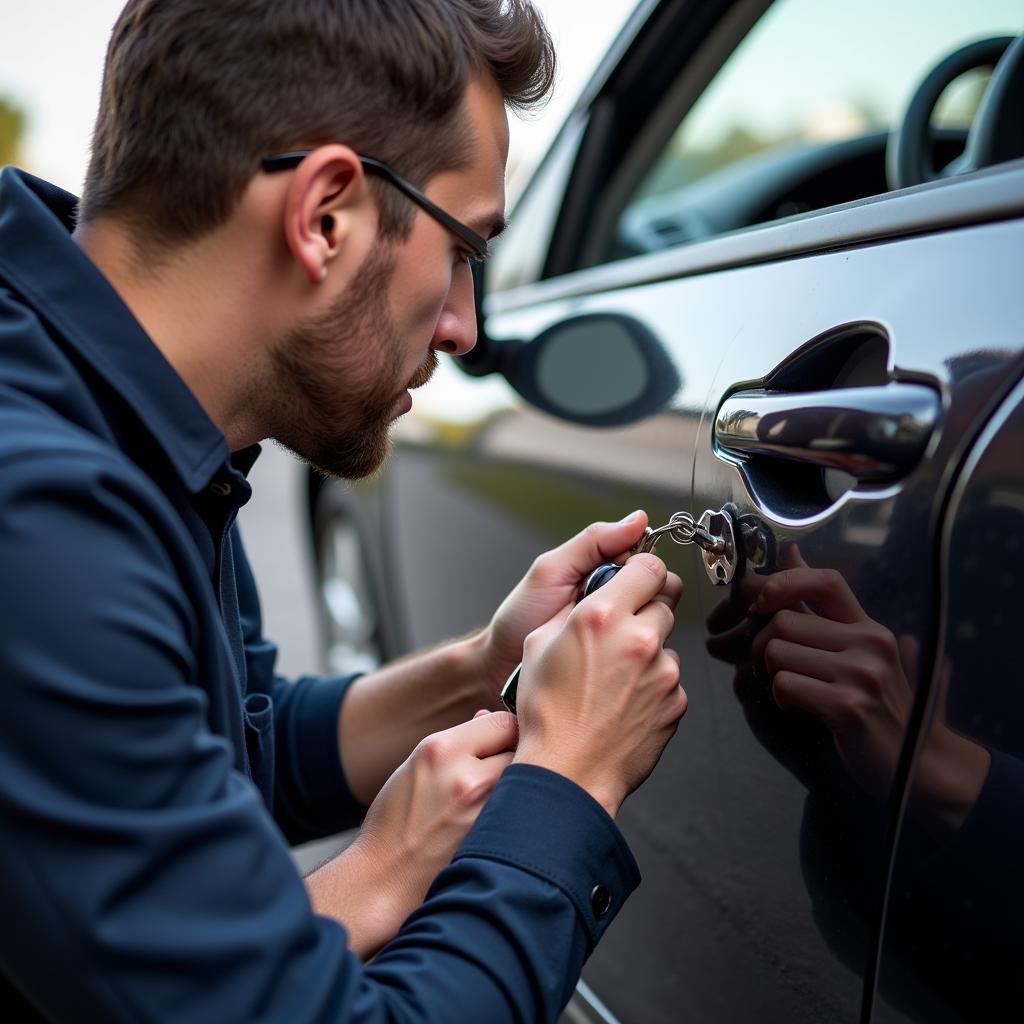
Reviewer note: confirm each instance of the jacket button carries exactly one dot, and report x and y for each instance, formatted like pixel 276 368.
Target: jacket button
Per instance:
pixel 600 900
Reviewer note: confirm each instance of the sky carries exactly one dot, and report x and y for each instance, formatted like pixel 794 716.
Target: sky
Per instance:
pixel 54 75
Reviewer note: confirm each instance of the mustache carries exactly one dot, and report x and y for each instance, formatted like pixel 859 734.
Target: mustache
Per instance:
pixel 425 371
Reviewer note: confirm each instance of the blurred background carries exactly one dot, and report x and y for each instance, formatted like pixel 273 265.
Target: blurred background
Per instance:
pixel 51 60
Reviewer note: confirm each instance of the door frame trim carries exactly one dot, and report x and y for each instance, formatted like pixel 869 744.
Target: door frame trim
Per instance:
pixel 991 194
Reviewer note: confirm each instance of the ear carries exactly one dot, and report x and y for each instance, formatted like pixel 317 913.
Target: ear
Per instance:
pixel 327 194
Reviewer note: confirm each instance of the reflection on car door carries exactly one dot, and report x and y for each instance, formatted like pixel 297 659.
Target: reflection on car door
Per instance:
pixel 955 910
pixel 807 790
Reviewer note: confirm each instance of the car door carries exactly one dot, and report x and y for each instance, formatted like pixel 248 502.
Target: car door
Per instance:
pixel 834 371
pixel 808 792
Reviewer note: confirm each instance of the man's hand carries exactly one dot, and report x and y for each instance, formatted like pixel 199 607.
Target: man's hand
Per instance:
pixel 599 695
pixel 552 583
pixel 413 828
pixel 386 713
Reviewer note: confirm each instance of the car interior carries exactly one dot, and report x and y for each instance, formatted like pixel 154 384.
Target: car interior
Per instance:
pixel 712 153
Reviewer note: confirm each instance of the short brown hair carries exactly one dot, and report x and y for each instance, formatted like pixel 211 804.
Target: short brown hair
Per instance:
pixel 196 91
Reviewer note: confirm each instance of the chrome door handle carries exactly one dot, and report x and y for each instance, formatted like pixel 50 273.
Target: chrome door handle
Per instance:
pixel 871 433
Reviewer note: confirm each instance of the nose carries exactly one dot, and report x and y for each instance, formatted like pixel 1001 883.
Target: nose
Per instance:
pixel 455 332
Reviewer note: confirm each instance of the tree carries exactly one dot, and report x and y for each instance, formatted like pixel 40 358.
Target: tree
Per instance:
pixel 12 126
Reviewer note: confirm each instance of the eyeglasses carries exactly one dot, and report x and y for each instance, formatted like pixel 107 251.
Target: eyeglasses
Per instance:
pixel 286 161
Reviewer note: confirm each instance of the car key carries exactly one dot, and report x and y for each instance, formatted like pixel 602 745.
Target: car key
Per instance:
pixel 682 528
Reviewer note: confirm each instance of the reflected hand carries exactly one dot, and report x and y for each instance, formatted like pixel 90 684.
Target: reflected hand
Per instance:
pixel 800 744
pixel 851 673
pixel 841 667
pixel 552 583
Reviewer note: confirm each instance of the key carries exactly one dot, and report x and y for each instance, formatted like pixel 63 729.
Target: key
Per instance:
pixel 682 528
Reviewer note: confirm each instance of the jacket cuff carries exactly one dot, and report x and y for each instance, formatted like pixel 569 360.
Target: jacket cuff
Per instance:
pixel 543 823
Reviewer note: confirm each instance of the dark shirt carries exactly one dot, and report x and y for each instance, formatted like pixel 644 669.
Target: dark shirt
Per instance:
pixel 153 768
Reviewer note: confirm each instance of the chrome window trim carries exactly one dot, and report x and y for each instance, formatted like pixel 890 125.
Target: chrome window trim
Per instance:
pixel 694 77
pixel 586 1008
pixel 995 193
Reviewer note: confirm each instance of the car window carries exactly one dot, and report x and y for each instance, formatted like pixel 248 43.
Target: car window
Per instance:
pixel 519 253
pixel 796 119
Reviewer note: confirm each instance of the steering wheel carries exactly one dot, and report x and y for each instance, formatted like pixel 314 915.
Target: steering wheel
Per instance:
pixel 998 129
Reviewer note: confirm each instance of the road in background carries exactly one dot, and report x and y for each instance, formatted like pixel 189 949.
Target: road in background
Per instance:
pixel 274 531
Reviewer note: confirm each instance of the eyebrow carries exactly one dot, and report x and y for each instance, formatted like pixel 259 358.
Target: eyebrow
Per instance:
pixel 490 225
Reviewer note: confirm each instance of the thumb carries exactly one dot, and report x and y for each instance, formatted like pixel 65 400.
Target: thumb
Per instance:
pixel 792 557
pixel 487 734
pixel 599 542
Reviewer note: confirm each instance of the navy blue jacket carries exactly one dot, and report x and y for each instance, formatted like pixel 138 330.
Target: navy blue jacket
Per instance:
pixel 152 767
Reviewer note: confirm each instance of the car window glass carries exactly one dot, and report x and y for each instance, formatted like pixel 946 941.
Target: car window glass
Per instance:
pixel 797 119
pixel 518 254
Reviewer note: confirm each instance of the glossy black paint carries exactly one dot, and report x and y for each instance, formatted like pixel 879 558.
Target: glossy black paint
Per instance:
pixel 955 920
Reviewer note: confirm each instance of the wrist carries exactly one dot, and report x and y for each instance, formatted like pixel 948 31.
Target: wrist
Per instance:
pixel 358 889
pixel 950 778
pixel 603 790
pixel 478 663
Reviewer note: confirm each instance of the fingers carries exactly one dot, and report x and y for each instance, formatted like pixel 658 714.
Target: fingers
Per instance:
pixel 671 592
pixel 599 542
pixel 494 765
pixel 782 655
pixel 543 633
pixel 826 586
pixel 802 628
pixel 791 558
pixel 659 617
pixel 484 735
pixel 796 692
pixel 638 583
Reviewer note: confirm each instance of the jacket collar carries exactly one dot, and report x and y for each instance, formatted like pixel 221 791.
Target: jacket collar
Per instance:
pixel 39 259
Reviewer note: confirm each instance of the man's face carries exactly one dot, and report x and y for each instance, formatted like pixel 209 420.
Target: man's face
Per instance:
pixel 343 376
pixel 337 377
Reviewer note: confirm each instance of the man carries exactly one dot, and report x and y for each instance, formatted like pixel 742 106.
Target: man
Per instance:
pixel 250 260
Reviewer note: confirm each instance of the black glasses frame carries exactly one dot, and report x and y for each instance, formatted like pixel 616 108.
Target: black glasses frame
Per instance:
pixel 286 161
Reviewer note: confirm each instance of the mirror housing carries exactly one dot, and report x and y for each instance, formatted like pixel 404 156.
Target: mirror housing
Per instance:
pixel 596 369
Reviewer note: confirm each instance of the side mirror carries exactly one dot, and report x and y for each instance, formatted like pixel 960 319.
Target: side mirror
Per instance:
pixel 597 369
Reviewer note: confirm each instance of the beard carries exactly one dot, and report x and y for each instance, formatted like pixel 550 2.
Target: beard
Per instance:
pixel 337 378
